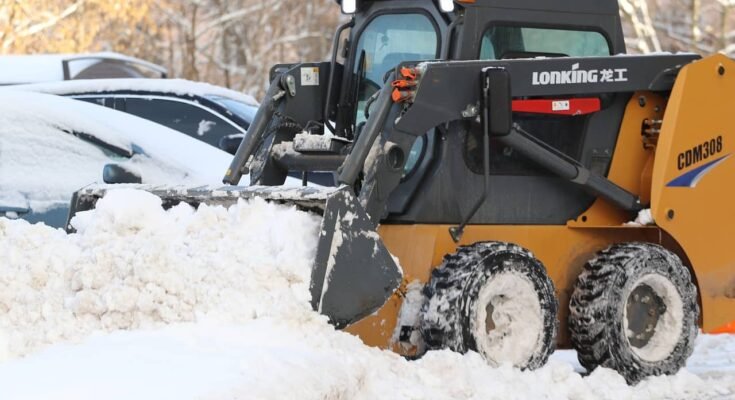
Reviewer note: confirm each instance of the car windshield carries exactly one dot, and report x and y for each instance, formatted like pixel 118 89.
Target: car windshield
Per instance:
pixel 242 110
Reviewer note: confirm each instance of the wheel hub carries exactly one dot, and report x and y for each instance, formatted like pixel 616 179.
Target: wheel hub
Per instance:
pixel 507 323
pixel 489 321
pixel 644 310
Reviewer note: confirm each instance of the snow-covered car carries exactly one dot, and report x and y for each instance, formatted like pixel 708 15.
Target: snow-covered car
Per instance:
pixel 212 114
pixel 33 68
pixel 51 146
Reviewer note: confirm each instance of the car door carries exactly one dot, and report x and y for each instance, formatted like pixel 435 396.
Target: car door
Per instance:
pixel 13 205
pixel 42 165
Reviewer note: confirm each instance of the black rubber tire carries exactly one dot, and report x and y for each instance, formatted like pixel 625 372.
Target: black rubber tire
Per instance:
pixel 596 318
pixel 454 287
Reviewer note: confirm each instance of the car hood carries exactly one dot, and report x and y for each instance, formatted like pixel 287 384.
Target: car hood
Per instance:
pixel 197 161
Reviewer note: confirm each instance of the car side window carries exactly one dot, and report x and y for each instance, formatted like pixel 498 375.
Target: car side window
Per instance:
pixel 40 191
pixel 102 101
pixel 190 119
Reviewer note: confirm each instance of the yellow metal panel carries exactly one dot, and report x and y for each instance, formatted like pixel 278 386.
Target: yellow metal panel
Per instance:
pixel 628 168
pixel 701 230
pixel 563 251
pixel 699 213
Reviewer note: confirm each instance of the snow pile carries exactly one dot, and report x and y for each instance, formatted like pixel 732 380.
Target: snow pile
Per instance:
pixel 133 265
pixel 278 359
pixel 205 126
pixel 231 288
pixel 714 357
pixel 313 142
pixel 408 315
pixel 644 218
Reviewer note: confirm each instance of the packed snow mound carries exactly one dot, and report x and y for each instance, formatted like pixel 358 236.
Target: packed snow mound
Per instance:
pixel 214 304
pixel 133 265
pixel 270 358
pixel 644 218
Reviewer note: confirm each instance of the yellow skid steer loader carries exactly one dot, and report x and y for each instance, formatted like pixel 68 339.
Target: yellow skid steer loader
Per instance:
pixel 498 149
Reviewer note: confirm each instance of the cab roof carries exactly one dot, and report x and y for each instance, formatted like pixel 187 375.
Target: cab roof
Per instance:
pixel 604 7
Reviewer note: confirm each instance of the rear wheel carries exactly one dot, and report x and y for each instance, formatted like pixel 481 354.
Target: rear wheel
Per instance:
pixel 493 298
pixel 634 309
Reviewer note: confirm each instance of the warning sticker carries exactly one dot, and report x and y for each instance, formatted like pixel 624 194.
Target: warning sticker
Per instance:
pixel 561 105
pixel 310 76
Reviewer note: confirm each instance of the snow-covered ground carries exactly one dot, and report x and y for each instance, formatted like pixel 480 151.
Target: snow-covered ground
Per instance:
pixel 213 304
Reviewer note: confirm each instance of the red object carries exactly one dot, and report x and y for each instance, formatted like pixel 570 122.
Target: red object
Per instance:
pixel 400 96
pixel 580 106
pixel 409 73
pixel 403 84
pixel 727 328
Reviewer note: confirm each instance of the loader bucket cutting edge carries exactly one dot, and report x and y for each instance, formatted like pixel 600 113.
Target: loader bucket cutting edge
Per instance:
pixel 353 273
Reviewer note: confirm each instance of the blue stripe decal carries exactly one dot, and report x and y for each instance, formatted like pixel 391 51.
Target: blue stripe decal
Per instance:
pixel 691 178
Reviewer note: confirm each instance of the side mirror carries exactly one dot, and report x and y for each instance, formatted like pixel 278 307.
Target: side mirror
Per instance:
pixel 116 173
pixel 497 96
pixel 230 143
pixel 11 212
pixel 13 205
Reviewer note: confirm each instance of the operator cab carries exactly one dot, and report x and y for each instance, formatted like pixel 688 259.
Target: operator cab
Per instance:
pixel 385 34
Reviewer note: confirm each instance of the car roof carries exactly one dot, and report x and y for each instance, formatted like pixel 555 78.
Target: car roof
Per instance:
pixel 31 68
pixel 202 162
pixel 179 87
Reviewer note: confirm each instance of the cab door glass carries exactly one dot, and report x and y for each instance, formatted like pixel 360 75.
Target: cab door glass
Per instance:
pixel 504 42
pixel 563 133
pixel 387 41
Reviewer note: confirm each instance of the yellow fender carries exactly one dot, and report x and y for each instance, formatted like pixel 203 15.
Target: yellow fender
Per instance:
pixel 693 182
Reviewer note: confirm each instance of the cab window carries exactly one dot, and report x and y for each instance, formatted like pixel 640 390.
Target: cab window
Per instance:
pixel 387 41
pixel 504 42
pixel 564 133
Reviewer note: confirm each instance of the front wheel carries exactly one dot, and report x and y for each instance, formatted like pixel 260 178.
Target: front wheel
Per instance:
pixel 634 309
pixel 493 298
